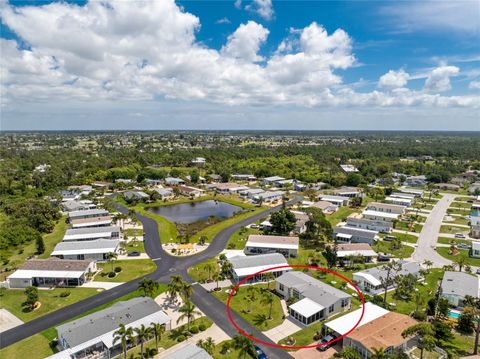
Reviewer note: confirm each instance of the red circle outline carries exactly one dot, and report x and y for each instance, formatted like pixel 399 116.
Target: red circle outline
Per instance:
pixel 241 331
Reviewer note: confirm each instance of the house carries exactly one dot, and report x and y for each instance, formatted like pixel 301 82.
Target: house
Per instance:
pixel 385 207
pixel 199 161
pixel 382 332
pixel 244 177
pixel 88 234
pixel 165 193
pixel 174 181
pixel 301 220
pixel 447 186
pixel 476 206
pixel 229 187
pixel 370 280
pixel 259 244
pixel 315 300
pixel 285 183
pixel 268 196
pixel 124 180
pixel 357 220
pixel 69 195
pixel 135 195
pixel 244 266
pixel 153 182
pixel 457 285
pixel 96 249
pixel 200 179
pixel 474 188
pixel 475 249
pixel 347 234
pixel 42 168
pixel 250 193
pixel 92 336
pixel 416 181
pixel 51 272
pixel 89 213
pixel 102 184
pixel 345 252
pixel 325 206
pixel 268 181
pixel 215 178
pixel 336 200
pixel 349 168
pixel 347 192
pixel 190 191
pixel 416 192
pixel 101 221
pixel 71 206
pixel 400 201
pixel 187 351
pixel 380 215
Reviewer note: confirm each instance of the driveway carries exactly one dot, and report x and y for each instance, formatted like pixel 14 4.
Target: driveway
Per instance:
pixel 287 328
pixel 8 320
pixel 313 353
pixel 427 239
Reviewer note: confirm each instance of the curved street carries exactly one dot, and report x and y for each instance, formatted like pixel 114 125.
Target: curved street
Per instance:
pixel 166 266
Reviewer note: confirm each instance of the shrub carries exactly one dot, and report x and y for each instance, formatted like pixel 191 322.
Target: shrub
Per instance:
pixel 111 275
pixel 194 329
pixel 118 269
pixel 421 316
pixel 65 293
pixel 174 250
pixel 202 327
pixel 152 352
pixel 181 338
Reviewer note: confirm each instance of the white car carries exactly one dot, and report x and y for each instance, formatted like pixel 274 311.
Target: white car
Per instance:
pixel 459 235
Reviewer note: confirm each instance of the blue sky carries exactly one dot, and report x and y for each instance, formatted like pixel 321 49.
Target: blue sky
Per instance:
pixel 406 65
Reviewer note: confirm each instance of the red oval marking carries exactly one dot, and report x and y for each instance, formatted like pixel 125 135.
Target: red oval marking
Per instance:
pixel 294 346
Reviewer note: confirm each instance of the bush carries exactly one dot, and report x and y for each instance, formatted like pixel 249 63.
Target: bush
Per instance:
pixel 152 352
pixel 202 327
pixel 194 329
pixel 111 274
pixel 118 269
pixel 65 293
pixel 181 338
pixel 420 316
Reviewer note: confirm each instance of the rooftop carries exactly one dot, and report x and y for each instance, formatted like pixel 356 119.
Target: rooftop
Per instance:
pixel 85 247
pixel 343 324
pixel 461 284
pixel 256 240
pixel 55 264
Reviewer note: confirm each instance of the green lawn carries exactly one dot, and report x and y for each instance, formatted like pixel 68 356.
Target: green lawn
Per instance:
pixel 443 251
pixel 249 309
pixel 385 248
pixel 131 269
pixel 461 345
pixel 239 238
pixel 304 336
pixel 405 226
pixel 453 229
pixel 461 212
pixel 55 237
pixel 464 198
pixel 341 214
pixel 133 232
pixel 50 300
pixel 459 220
pixel 421 205
pixel 461 205
pixel 199 272
pixel 446 240
pixel 231 354
pixel 135 246
pixel 305 252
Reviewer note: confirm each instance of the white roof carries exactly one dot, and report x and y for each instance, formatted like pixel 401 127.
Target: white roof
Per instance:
pixel 343 235
pixel 306 307
pixel 369 278
pixel 241 272
pixel 29 273
pixel 358 252
pixel 94 222
pixel 85 247
pixel 399 199
pixel 271 245
pixel 345 323
pixel 369 212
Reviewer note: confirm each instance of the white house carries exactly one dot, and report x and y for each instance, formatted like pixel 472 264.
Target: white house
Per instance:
pixel 407 202
pixel 199 161
pixel 190 191
pixel 347 234
pixel 347 192
pixel 336 200
pixel 244 266
pixel 174 181
pixel 88 234
pixel 89 213
pixel 345 251
pixel 260 244
pixel 93 250
pixel 244 177
pixel 268 196
pixel 385 207
pixel 349 168
pixel 268 181
pixel 475 250
pixel 457 285
pixel 371 224
pixel 165 193
pixel 101 221
pixel 416 192
pixel 380 216
pixel 135 195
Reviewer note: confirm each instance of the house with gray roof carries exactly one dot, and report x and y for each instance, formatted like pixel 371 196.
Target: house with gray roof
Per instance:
pixel 244 266
pixel 174 181
pixel 165 193
pixel 70 206
pixel 88 213
pixel 135 195
pixel 315 300
pixel 370 280
pixel 96 249
pixel 457 285
pixel 91 233
pixel 187 351
pixel 94 334
pixel 349 234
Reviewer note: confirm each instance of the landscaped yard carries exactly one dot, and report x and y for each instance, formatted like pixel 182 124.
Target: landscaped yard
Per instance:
pixel 443 251
pixel 135 246
pixel 458 220
pixel 404 237
pixel 199 273
pixel 308 251
pixel 465 205
pixel 50 299
pixel 131 269
pixel 464 198
pixel 239 238
pixel 383 247
pixel 446 240
pixel 461 212
pixel 341 214
pixel 230 354
pixel 453 229
pixel 250 308
pixel 407 226
pixel 133 232
pixel 304 336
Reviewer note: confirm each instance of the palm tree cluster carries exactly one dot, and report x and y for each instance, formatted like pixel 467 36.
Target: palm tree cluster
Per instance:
pixel 130 337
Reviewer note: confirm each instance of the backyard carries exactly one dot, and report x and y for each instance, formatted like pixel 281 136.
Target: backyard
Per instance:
pixel 383 247
pixel 462 253
pixel 131 269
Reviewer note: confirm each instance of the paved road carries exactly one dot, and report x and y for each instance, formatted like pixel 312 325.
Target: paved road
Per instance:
pixel 166 266
pixel 428 236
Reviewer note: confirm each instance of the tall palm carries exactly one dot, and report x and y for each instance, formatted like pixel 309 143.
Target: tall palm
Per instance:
pixel 269 277
pixel 216 278
pixel 175 285
pixel 186 291
pixel 157 330
pixel 142 333
pixel 472 304
pixel 419 300
pixel 268 300
pixel 243 344
pixel 378 353
pixel 124 335
pixel 189 312
pixel 148 286
pixel 426 335
pixel 428 264
pixel 110 257
pixel 460 261
pixel 252 291
pixel 260 320
pixel 208 345
pixel 209 268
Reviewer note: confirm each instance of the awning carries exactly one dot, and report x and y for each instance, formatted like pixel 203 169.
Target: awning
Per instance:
pixel 345 236
pixel 306 307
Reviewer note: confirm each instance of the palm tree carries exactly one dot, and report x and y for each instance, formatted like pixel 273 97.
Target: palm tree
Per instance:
pixel 378 353
pixel 216 277
pixel 142 334
pixel 426 335
pixel 158 330
pixel 269 276
pixel 208 345
pixel 387 281
pixel 268 300
pixel 209 268
pixel 148 286
pixel 419 300
pixel 243 344
pixel 428 263
pixel 260 320
pixel 460 261
pixel 252 291
pixel 124 335
pixel 186 291
pixel 175 285
pixel 472 305
pixel 110 257
pixel 188 311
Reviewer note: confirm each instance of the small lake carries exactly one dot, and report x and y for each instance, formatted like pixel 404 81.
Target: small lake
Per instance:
pixel 186 213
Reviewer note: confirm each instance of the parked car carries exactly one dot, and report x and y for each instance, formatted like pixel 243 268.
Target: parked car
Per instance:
pixel 322 346
pixel 383 258
pixel 133 254
pixel 260 353
pixel 459 235
pixel 389 238
pixel 463 246
pixel 478 271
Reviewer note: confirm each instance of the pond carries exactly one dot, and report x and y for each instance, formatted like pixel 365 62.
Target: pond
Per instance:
pixel 186 213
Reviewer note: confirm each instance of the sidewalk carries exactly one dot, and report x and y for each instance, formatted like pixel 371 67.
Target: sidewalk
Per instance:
pixel 221 284
pixel 101 285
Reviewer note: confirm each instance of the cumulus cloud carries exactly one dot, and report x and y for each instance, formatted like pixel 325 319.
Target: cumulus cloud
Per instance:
pixel 474 85
pixel 438 79
pixel 393 79
pixel 263 8
pixel 142 51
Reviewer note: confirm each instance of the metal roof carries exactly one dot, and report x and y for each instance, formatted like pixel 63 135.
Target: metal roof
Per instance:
pixel 460 284
pixel 189 351
pixel 85 247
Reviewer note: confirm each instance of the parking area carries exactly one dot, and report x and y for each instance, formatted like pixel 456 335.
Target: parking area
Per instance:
pixel 313 353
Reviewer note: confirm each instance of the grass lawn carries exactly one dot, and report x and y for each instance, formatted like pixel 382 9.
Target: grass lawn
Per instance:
pixel 458 211
pixel 135 246
pixel 459 220
pixel 305 252
pixel 385 248
pixel 199 273
pixel 422 206
pixel 453 229
pixel 428 290
pixel 404 237
pixel 239 238
pixel 50 300
pixel 341 214
pixel 443 251
pixel 231 354
pixel 402 225
pixel 304 336
pixel 249 309
pixel 465 198
pixel 55 237
pixel 461 205
pixel 446 240
pixel 131 269
pixel 461 345
pixel 133 232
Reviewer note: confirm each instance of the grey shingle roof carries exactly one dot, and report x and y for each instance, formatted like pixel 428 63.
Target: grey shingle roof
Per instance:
pixel 407 268
pixel 461 284
pixel 190 351
pixel 55 264
pixel 257 261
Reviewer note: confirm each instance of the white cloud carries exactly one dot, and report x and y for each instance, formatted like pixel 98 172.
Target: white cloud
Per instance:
pixel 439 78
pixel 474 85
pixel 223 20
pixel 393 79
pixel 245 42
pixel 264 8
pixel 238 4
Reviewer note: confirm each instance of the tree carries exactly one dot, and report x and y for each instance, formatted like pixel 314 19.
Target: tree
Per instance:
pixel 260 320
pixel 175 286
pixel 460 261
pixel 283 222
pixel 428 263
pixel 189 312
pixel 269 277
pixel 378 353
pixel 243 344
pixel 208 345
pixel 426 334
pixel 110 257
pixel 387 281
pixel 356 202
pixel 40 245
pixel 330 255
pixel 472 306
pixel 142 334
pixel 268 300
pixel 32 297
pixel 157 330
pixel 209 268
pixel 186 291
pixel 194 177
pixel 124 335
pixel 148 286
pixel 216 277
pixel 348 353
